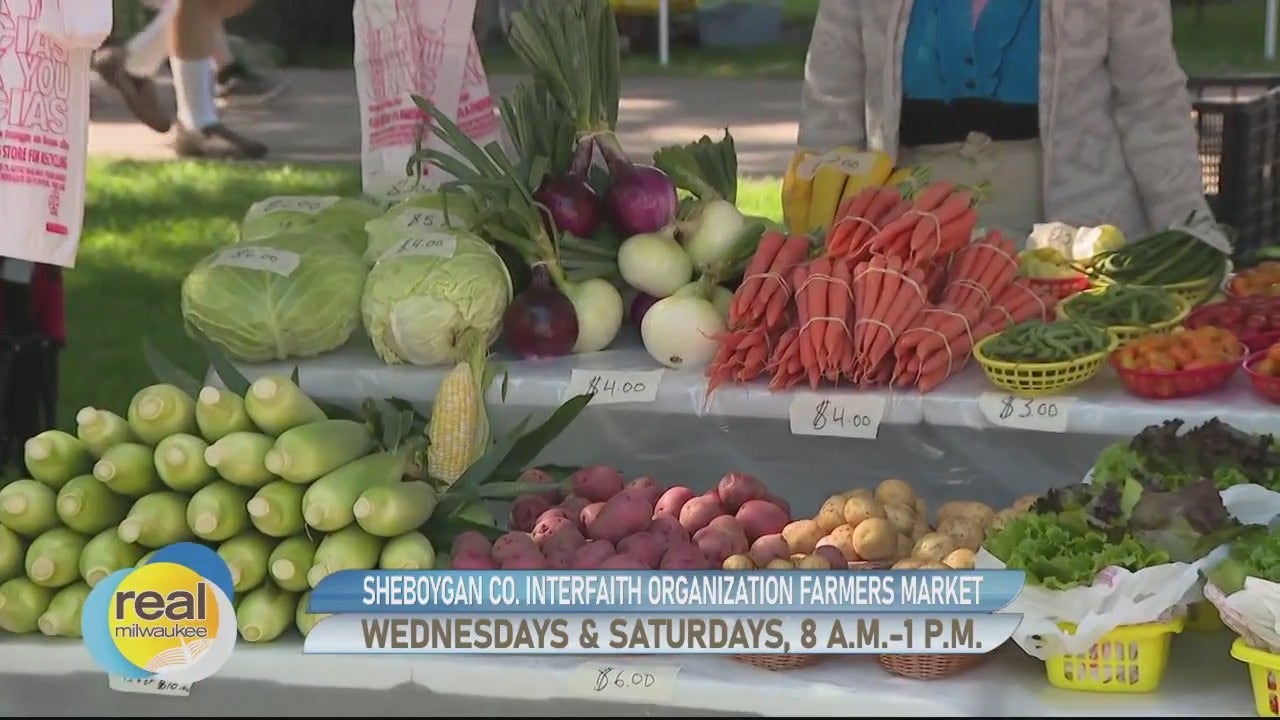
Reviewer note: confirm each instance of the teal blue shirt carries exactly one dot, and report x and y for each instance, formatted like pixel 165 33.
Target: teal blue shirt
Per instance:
pixel 946 57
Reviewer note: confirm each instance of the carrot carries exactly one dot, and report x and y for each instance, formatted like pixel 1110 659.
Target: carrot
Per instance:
pixel 753 363
pixel 932 195
pixel 890 279
pixel 902 312
pixel 864 298
pixel 785 345
pixel 816 287
pixel 851 213
pixel 805 312
pixel 771 243
pixel 793 252
pixel 839 300
pixel 935 221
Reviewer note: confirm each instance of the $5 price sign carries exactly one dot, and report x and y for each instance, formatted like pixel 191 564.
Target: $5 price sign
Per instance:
pixel 848 416
pixel 618 682
pixel 616 386
pixel 1020 413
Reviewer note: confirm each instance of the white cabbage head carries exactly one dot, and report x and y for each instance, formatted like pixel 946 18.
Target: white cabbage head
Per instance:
pixel 424 212
pixel 343 218
pixel 296 294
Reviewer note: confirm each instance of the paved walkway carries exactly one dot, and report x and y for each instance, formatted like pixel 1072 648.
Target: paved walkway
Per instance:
pixel 317 119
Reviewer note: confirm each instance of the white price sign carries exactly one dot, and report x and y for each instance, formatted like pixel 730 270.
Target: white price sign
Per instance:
pixel 626 683
pixel 1048 414
pixel 849 163
pixel 612 387
pixel 306 204
pixel 148 686
pixel 837 415
pixel 424 243
pixel 280 262
pixel 418 219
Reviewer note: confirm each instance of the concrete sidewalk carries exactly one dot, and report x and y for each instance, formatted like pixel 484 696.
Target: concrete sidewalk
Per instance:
pixel 317 119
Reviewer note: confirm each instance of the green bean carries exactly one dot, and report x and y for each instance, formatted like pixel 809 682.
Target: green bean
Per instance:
pixel 1040 342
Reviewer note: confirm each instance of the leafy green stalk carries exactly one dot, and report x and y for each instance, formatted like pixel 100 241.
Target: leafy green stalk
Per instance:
pixel 706 168
pixel 538 126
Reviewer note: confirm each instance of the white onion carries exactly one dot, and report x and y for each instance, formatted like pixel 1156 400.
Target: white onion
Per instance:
pixel 654 263
pixel 682 331
pixel 721 297
pixel 598 305
pixel 718 227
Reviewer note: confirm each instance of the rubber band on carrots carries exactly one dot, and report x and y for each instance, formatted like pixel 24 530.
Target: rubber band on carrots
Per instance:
pixel 838 321
pixel 946 342
pixel 995 247
pixel 937 228
pixel 887 271
pixel 827 279
pixel 893 335
pixel 974 286
pixel 786 287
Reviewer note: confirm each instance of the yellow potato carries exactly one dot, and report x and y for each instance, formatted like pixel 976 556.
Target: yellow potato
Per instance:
pixel 738 562
pixel 1003 518
pixel 842 539
pixel 780 564
pixel 960 559
pixel 860 492
pixel 802 536
pixel 934 566
pixel 905 545
pixel 922 509
pixel 906 564
pixel 1024 503
pixel 901 517
pixel 831 515
pixel 933 547
pixel 857 509
pixel 813 562
pixel 920 529
pixel 948 510
pixel 979 513
pixel 894 490
pixel 875 539
pixel 964 533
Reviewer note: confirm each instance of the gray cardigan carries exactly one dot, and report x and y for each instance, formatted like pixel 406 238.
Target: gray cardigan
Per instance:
pixel 1115 118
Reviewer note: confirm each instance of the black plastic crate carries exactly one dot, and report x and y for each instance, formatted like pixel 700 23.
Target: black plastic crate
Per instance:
pixel 1238 120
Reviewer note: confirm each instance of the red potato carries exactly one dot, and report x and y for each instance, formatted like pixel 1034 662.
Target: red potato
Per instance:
pixel 645 547
pixel 525 511
pixel 528 561
pixel 624 514
pixel 550 519
pixel 573 505
pixel 737 488
pixel 472 560
pixel 699 512
pixel 761 517
pixel 672 501
pixel 648 487
pixel 596 483
pixel 729 525
pixel 560 533
pixel 833 556
pixel 780 502
pixel 471 541
pixel 558 558
pixel 622 562
pixel 512 545
pixel 768 548
pixel 716 545
pixel 588 515
pixel 537 476
pixel 592 554
pixel 670 528
pixel 684 557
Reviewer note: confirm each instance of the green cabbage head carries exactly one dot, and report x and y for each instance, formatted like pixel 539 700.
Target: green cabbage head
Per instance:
pixel 290 295
pixel 430 299
pixel 419 213
pixel 343 218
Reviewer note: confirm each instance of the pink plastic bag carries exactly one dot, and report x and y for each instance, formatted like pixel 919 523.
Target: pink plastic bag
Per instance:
pixel 408 48
pixel 44 123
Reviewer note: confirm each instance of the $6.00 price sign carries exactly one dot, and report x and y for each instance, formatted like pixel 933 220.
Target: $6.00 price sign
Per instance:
pixel 634 683
pixel 615 386
pixel 1048 414
pixel 837 415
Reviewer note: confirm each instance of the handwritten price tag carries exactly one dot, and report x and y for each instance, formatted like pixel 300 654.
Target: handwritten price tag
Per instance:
pixel 627 683
pixel 280 262
pixel 849 163
pixel 148 686
pixel 306 204
pixel 424 243
pixel 847 416
pixel 418 219
pixel 1018 413
pixel 612 387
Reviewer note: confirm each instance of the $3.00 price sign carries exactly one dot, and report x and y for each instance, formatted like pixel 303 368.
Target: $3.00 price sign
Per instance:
pixel 632 683
pixel 611 387
pixel 1048 414
pixel 847 415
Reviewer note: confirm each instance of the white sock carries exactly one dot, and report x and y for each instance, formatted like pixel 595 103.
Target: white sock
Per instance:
pixel 147 50
pixel 194 86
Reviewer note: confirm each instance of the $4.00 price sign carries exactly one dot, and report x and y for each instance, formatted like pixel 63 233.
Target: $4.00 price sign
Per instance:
pixel 148 686
pixel 837 415
pixel 1047 414
pixel 611 387
pixel 630 683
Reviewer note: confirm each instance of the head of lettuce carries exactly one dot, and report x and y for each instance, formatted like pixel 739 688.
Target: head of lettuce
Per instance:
pixel 291 295
pixel 432 297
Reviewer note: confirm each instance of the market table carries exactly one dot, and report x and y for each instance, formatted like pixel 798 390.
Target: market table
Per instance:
pixel 949 443
pixel 1202 681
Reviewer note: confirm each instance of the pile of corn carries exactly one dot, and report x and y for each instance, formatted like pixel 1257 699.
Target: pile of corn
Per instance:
pixel 285 494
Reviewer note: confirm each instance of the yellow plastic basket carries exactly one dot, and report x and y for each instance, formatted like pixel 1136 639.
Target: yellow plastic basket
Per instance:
pixel 1193 291
pixel 1129 659
pixel 1204 617
pixel 1125 333
pixel 1264 676
pixel 1039 379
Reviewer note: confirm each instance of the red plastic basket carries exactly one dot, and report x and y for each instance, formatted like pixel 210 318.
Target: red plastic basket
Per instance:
pixel 1261 341
pixel 1062 288
pixel 1170 384
pixel 1264 304
pixel 1266 386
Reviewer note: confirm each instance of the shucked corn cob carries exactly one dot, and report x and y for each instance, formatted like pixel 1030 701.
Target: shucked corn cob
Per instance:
pixel 458 433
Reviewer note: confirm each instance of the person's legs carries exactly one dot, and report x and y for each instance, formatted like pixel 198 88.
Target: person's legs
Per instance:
pixel 236 78
pixel 192 46
pixel 129 69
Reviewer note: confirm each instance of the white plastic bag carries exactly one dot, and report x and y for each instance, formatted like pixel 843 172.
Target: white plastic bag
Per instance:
pixel 44 123
pixel 408 48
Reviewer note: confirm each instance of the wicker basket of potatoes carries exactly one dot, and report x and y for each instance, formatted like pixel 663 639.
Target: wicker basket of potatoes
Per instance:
pixel 962 528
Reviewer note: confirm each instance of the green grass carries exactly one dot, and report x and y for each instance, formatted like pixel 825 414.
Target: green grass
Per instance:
pixel 146 224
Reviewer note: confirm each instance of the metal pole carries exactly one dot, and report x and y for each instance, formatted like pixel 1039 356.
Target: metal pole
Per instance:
pixel 1273 19
pixel 664 31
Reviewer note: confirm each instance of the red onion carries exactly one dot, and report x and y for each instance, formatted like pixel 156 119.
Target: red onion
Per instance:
pixel 541 321
pixel 574 207
pixel 640 305
pixel 640 199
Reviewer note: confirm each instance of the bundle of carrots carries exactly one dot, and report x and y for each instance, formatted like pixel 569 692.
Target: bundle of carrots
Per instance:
pixel 760 311
pixel 860 218
pixel 889 295
pixel 940 221
pixel 819 345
